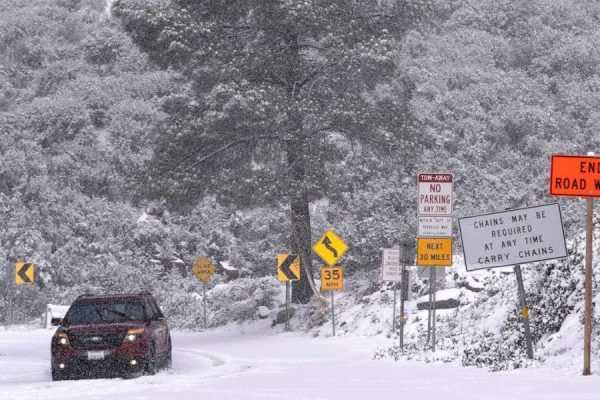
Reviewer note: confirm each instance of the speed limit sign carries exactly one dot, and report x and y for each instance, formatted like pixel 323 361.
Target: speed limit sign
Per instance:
pixel 332 278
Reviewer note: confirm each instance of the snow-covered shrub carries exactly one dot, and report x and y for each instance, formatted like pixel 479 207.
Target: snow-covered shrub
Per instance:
pixel 553 290
pixel 499 351
pixel 239 300
pixel 558 289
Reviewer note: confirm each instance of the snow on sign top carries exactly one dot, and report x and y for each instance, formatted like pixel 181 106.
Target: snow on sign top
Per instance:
pixel 435 194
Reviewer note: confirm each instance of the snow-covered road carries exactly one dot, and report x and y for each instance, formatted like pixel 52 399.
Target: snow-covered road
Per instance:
pixel 226 365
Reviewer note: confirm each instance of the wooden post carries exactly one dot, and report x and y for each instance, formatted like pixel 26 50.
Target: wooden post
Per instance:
pixel 587 327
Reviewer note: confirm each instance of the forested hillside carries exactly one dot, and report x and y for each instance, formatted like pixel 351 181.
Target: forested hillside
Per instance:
pixel 138 138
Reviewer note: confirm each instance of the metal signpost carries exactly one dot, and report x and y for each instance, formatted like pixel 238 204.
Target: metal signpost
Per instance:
pixel 433 253
pixel 524 311
pixel 407 257
pixel 579 176
pixel 332 279
pixel 288 269
pixel 203 269
pixel 512 238
pixel 434 242
pixel 330 247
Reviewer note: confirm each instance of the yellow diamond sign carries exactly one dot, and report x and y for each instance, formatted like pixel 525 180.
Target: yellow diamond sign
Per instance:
pixel 203 269
pixel 25 273
pixel 330 247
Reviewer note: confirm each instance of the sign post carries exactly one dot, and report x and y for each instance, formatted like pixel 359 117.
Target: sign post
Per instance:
pixel 204 269
pixel 288 269
pixel 394 308
pixel 579 176
pixel 433 289
pixel 587 328
pixel 512 238
pixel 434 242
pixel 393 269
pixel 332 278
pixel 524 311
pixel 330 247
pixel 407 257
pixel 433 252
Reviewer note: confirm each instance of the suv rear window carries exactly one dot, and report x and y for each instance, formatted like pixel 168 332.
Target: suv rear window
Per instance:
pixel 87 312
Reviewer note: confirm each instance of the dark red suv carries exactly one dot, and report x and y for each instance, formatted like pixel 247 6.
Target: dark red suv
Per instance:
pixel 111 335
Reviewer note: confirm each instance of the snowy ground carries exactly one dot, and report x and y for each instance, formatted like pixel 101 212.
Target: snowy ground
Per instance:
pixel 227 364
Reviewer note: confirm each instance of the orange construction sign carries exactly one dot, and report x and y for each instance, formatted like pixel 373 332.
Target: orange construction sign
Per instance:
pixel 575 176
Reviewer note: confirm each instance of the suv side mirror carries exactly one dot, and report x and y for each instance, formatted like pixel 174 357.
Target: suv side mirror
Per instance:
pixel 56 321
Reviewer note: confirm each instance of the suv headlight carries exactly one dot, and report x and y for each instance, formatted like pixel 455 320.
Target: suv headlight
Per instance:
pixel 62 338
pixel 133 334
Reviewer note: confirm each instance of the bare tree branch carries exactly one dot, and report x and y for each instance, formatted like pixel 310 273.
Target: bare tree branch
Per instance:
pixel 228 146
pixel 314 74
pixel 313 46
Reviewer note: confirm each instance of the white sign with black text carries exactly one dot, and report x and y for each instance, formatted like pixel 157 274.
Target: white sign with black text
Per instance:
pixel 391 266
pixel 435 194
pixel 435 226
pixel 512 237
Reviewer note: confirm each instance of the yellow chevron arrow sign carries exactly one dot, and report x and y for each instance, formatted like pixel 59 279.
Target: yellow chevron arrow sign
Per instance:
pixel 25 273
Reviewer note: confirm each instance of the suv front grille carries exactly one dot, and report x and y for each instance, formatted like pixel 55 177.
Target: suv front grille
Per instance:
pixel 98 341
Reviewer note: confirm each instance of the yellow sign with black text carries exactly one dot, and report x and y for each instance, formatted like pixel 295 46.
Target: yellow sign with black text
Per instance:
pixel 330 247
pixel 288 267
pixel 434 252
pixel 332 278
pixel 25 273
pixel 203 269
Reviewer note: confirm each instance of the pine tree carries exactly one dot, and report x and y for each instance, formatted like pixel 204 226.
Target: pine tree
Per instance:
pixel 279 87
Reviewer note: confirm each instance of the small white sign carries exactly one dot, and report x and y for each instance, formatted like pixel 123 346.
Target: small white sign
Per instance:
pixel 512 237
pixel 435 226
pixel 391 266
pixel 435 194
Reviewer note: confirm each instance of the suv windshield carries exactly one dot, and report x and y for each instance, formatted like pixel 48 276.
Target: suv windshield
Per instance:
pixel 83 313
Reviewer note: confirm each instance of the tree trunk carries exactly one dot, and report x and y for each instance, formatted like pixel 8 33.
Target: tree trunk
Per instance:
pixel 301 290
pixel 300 219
